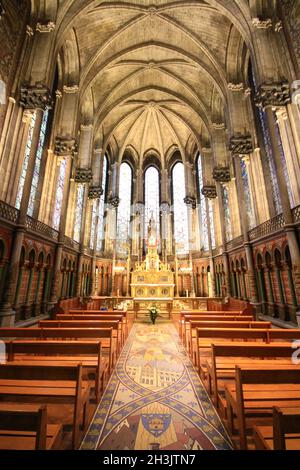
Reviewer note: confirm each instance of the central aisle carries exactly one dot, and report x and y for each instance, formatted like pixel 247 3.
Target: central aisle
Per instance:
pixel 154 399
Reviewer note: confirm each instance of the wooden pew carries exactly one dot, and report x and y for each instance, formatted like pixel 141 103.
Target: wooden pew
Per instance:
pixel 88 353
pixel 256 391
pixel 206 336
pixel 59 384
pixel 25 427
pixel 283 435
pixel 186 318
pixel 282 334
pixel 95 317
pixel 105 335
pixel 116 325
pixel 190 327
pixel 225 356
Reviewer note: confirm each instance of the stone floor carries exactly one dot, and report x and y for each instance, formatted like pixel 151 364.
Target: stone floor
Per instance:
pixel 155 399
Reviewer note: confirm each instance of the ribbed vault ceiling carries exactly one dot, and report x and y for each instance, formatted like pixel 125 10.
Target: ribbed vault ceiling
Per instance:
pixel 153 75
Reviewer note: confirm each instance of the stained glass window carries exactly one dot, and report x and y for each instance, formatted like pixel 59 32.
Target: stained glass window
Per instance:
pixel 269 153
pixel 203 212
pixel 100 228
pixel 78 212
pixel 59 193
pixel 93 223
pixel 247 195
pixel 152 198
pixel 38 160
pixel 284 165
pixel 228 228
pixel 124 209
pixel 180 210
pixel 212 223
pixel 26 160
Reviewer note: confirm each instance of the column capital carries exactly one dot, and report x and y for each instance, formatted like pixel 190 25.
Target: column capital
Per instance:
pixel 221 174
pixel 83 175
pixel 190 201
pixel 95 192
pixel 45 27
pixel 275 95
pixel 35 97
pixel 237 87
pixel 114 201
pixel 260 23
pixel 65 146
pixel 241 145
pixel 209 191
pixel 29 30
pixel 70 89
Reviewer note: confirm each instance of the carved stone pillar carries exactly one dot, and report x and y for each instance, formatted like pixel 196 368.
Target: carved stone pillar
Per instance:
pixel 65 147
pixel 241 146
pixel 35 99
pixel 222 175
pixel 273 96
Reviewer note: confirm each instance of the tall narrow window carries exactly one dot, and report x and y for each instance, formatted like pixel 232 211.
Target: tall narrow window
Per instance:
pixel 284 164
pixel 203 212
pixel 228 227
pixel 268 148
pixel 26 160
pixel 78 212
pixel 38 161
pixel 180 210
pixel 59 193
pixel 124 209
pixel 100 229
pixel 93 223
pixel 152 199
pixel 212 223
pixel 247 195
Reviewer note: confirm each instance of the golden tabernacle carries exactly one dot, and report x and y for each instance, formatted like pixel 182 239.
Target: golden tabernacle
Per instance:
pixel 152 280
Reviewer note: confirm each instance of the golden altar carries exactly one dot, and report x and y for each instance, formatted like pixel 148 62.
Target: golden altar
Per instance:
pixel 152 281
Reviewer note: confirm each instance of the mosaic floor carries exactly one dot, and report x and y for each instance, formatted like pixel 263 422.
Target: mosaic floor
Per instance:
pixel 155 400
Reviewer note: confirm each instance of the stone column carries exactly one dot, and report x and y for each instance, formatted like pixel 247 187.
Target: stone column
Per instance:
pixel 273 96
pixel 210 192
pixel 65 147
pixel 222 175
pixel 191 206
pixel 35 99
pixel 241 146
pixel 95 193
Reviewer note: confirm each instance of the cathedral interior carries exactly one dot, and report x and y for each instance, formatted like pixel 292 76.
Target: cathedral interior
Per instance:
pixel 150 156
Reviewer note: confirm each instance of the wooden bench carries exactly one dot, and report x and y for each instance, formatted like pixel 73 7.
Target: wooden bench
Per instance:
pixel 25 427
pixel 206 336
pixel 283 435
pixel 191 326
pixel 59 384
pixel 105 335
pixel 256 391
pixel 220 368
pixel 88 353
pixel 96 317
pixel 186 318
pixel 282 334
pixel 116 325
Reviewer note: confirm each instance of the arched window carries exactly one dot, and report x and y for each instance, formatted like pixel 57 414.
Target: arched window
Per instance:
pixel 180 210
pixel 26 160
pixel 78 212
pixel 59 193
pixel 247 194
pixel 152 198
pixel 225 198
pixel 38 161
pixel 124 209
pixel 203 212
pixel 100 228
